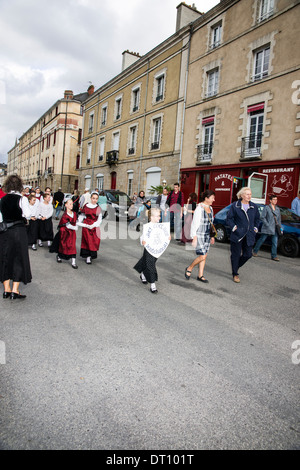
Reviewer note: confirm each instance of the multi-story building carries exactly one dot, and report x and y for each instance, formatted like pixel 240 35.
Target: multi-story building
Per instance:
pixel 242 108
pixel 48 153
pixel 132 133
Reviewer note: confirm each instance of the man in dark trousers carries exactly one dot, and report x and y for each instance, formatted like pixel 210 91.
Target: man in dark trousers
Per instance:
pixel 175 202
pixel 58 200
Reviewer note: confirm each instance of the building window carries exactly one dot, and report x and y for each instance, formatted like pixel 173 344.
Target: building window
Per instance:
pixel 156 134
pixel 104 115
pixel 204 151
pixel 266 9
pixel 261 63
pixel 135 99
pixel 89 153
pixel 91 122
pixel 160 87
pixel 212 82
pixel 101 148
pixel 116 140
pixel 118 108
pixel 132 140
pixel 216 34
pixel 252 143
pixel 88 181
pixel 100 181
pixel 130 181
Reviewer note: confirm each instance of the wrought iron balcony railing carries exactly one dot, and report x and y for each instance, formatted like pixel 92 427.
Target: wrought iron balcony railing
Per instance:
pixel 251 146
pixel 112 157
pixel 204 152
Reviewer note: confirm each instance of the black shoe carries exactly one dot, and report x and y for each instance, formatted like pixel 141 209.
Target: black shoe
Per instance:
pixel 74 266
pixel 154 291
pixel 6 295
pixel 144 281
pixel 185 273
pixel 15 295
pixel 202 279
pixel 58 259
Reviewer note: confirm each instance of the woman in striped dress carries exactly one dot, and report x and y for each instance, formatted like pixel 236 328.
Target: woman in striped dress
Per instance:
pixel 200 233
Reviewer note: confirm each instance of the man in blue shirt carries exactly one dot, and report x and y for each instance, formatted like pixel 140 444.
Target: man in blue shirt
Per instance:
pixel 296 205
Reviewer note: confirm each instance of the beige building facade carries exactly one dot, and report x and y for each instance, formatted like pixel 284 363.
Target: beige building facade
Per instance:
pixel 243 95
pixel 48 153
pixel 132 131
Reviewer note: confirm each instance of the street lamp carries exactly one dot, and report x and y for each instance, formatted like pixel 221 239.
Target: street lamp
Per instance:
pixel 164 183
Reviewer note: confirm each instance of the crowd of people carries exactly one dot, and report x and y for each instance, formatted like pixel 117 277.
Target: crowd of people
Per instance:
pixel 26 220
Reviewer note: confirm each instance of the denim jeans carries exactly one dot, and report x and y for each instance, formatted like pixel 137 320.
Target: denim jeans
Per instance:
pixel 262 238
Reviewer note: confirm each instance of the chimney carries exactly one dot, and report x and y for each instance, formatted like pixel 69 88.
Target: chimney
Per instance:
pixel 129 58
pixel 68 95
pixel 186 14
pixel 91 90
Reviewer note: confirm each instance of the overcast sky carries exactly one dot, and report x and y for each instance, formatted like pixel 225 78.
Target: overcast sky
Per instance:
pixel 48 46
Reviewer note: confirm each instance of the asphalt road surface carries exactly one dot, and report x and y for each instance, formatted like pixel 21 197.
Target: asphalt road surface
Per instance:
pixel 92 360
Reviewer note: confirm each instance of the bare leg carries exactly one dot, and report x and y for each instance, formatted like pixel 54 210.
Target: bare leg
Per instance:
pixel 200 260
pixel 6 285
pixel 15 287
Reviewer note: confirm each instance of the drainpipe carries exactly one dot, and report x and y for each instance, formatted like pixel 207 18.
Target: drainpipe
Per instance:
pixel 144 126
pixel 64 145
pixel 184 100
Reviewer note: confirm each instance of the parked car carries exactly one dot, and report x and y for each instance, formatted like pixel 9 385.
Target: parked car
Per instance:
pixel 288 243
pixel 119 201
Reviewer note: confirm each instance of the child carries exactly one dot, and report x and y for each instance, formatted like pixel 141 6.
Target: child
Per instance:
pixel 67 235
pixel 45 220
pixel 33 225
pixel 90 220
pixel 146 266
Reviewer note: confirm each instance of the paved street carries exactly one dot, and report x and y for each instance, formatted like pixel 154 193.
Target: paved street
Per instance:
pixel 93 360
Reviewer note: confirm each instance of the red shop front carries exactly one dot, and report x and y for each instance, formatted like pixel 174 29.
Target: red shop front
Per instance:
pixel 282 179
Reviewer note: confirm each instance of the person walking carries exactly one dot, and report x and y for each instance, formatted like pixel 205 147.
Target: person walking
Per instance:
pixel 14 257
pixel 90 220
pixel 161 204
pixel 67 235
pixel 201 234
pixel 58 199
pixel 243 220
pixel 45 220
pixel 271 226
pixel 175 203
pixel 295 207
pixel 189 210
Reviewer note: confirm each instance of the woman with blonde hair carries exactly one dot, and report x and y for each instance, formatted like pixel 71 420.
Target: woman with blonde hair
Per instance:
pixel 243 219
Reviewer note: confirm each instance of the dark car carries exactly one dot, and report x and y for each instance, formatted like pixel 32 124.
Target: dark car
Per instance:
pixel 117 201
pixel 288 243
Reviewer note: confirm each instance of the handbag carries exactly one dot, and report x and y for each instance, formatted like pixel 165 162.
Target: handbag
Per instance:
pixel 213 231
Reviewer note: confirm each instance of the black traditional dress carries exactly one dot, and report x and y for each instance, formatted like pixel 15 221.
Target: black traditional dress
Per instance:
pixel 14 257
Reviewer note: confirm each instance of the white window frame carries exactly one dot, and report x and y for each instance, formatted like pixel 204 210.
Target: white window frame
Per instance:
pixel 216 35
pixel 116 139
pixel 89 153
pixel 100 181
pixel 156 132
pixel 104 114
pixel 91 122
pixel 101 148
pixel 212 87
pixel 129 182
pixel 135 98
pixel 266 9
pixel 263 53
pixel 118 107
pixel 132 140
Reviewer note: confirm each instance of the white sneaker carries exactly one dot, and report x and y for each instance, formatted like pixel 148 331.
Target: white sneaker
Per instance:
pixel 40 243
